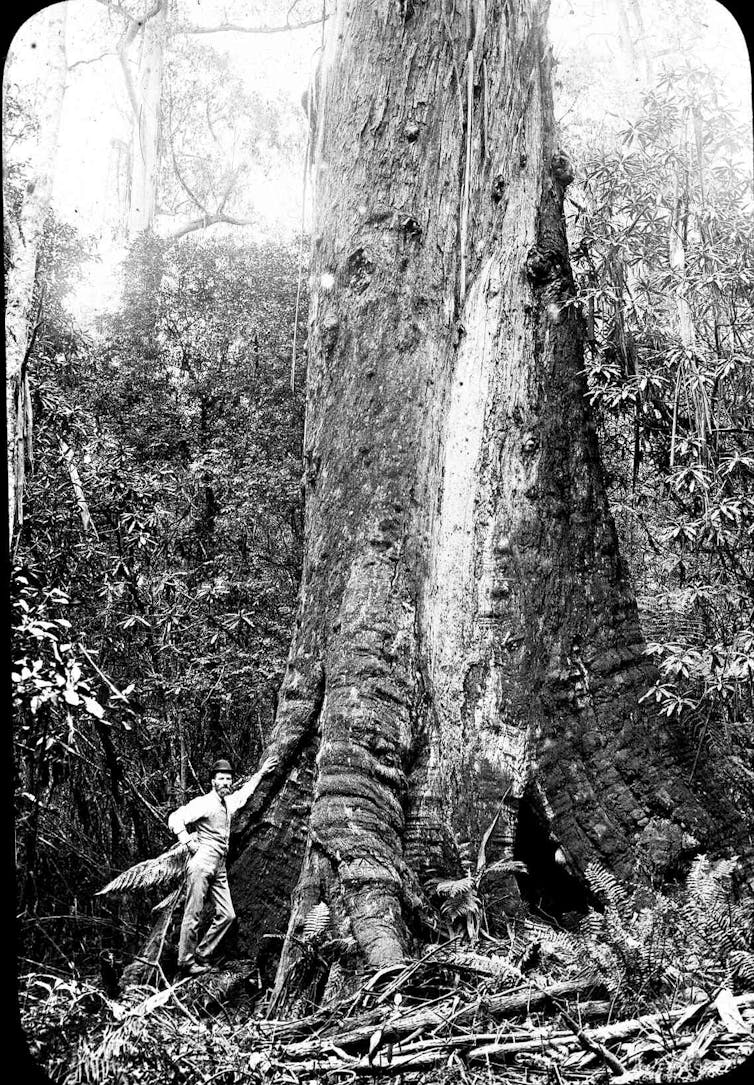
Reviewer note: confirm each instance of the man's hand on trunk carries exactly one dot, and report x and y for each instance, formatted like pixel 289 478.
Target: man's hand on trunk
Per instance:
pixel 269 765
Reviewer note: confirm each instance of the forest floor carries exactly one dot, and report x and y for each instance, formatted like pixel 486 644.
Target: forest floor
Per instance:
pixel 529 1009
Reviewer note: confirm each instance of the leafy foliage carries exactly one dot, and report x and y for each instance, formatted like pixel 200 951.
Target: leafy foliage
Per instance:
pixel 462 897
pixel 698 938
pixel 170 531
pixel 663 246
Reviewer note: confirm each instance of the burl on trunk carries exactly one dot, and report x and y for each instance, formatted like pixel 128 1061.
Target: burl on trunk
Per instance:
pixel 466 632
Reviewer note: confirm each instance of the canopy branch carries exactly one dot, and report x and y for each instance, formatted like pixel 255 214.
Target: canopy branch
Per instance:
pixel 206 220
pixel 235 28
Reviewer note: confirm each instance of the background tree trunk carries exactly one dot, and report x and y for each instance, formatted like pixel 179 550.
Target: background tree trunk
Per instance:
pixel 144 86
pixel 466 631
pixel 23 230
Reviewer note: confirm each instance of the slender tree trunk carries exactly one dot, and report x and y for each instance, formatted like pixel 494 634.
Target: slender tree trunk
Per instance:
pixel 23 230
pixel 144 86
pixel 466 632
pixel 633 40
pixel 697 401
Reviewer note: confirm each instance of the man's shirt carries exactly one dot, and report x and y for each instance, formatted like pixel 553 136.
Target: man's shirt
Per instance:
pixel 210 815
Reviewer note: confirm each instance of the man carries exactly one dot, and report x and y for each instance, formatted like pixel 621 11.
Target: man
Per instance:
pixel 210 816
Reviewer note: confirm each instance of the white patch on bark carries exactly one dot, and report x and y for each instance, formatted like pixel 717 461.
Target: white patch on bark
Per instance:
pixel 466 610
pixel 448 615
pixel 507 746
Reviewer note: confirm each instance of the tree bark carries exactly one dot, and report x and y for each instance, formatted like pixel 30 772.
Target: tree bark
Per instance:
pixel 23 231
pixel 466 631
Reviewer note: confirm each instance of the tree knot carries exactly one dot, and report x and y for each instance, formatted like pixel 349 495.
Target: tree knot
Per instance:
pixel 498 188
pixel 542 265
pixel 329 332
pixel 561 168
pixel 411 228
pixel 359 270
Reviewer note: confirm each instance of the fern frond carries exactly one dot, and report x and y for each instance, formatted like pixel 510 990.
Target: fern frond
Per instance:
pixel 716 926
pixel 563 941
pixel 724 870
pixel 162 870
pixel 456 887
pixel 167 902
pixel 710 884
pixel 698 876
pixel 316 922
pixel 592 925
pixel 506 866
pixel 607 887
pixel 742 965
pixel 620 933
pixel 721 931
pixel 466 904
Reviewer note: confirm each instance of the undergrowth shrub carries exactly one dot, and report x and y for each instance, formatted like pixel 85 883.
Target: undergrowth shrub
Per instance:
pixel 690 941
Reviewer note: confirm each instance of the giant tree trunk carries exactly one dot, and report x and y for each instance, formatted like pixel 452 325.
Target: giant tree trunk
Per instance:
pixel 466 631
pixel 34 158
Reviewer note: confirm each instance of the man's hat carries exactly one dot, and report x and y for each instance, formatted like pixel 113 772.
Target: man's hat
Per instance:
pixel 221 766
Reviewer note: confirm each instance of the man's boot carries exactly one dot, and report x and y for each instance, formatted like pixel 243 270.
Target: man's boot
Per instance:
pixel 196 968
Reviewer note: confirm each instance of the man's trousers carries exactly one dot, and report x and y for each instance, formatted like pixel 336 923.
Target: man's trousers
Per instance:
pixel 206 876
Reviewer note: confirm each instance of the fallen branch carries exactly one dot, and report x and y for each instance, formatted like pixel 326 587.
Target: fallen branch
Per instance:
pixel 117 694
pixel 86 519
pixel 593 1046
pixel 588 1043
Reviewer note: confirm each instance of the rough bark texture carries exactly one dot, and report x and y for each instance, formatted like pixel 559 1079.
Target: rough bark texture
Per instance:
pixel 23 229
pixel 466 631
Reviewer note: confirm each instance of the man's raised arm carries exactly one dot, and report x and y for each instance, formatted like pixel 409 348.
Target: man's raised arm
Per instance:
pixel 241 796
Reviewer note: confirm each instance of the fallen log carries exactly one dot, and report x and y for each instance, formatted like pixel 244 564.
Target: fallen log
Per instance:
pixel 503 1004
pixel 428 1054
pixel 623 1030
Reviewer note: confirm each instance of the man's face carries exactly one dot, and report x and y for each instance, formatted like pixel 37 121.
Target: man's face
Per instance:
pixel 221 782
